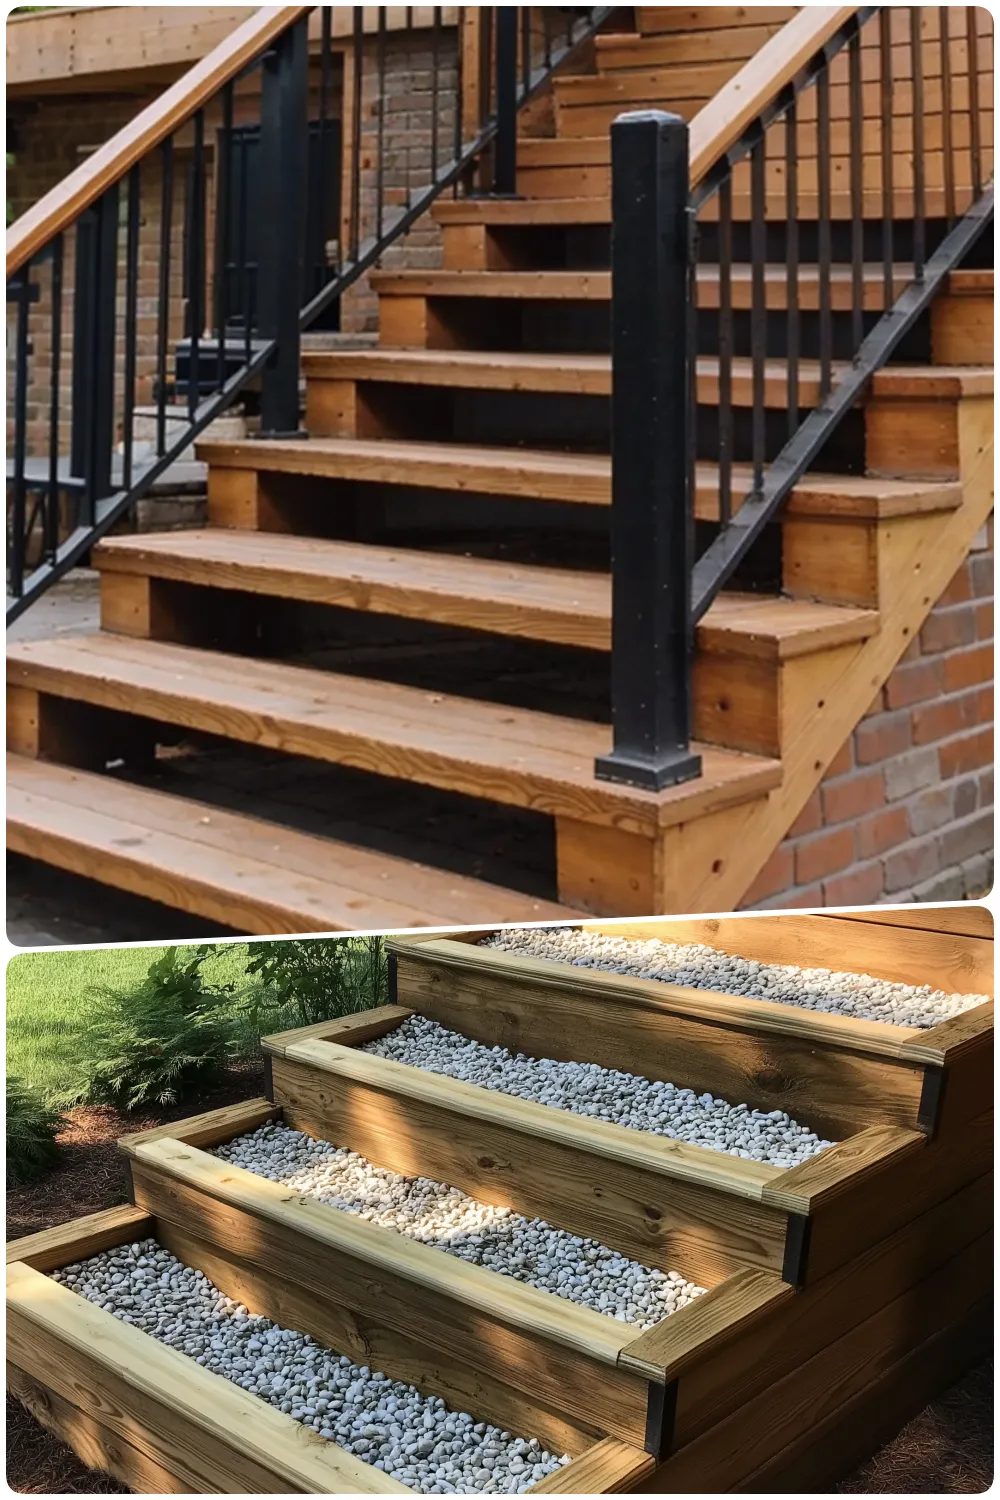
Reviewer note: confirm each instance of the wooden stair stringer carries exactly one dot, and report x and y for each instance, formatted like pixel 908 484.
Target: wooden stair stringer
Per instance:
pixel 921 556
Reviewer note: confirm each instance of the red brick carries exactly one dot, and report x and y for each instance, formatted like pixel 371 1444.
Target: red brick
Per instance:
pixel 808 897
pixel 882 737
pixel 931 808
pixel 985 781
pixel 964 668
pixel 858 887
pixel 824 854
pixel 966 797
pixel 947 717
pixel 912 863
pixel 777 875
pixel 882 831
pixel 959 589
pixel 915 682
pixel 967 754
pixel 984 620
pixel 850 796
pixel 809 819
pixel 981 575
pixel 945 629
pixel 842 761
pixel 962 840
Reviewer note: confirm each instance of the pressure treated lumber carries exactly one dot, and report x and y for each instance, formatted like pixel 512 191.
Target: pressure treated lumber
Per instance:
pixel 155 1396
pixel 209 1129
pixel 832 1078
pixel 608 1468
pixel 237 870
pixel 680 1207
pixel 79 1238
pixel 553 604
pixel 516 756
pixel 543 1345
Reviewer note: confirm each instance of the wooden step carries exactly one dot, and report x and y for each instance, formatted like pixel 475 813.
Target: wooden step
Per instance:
pixel 231 868
pixel 508 755
pixel 538 603
pixel 519 473
pixel 837 1073
pixel 565 374
pixel 625 52
pixel 595 286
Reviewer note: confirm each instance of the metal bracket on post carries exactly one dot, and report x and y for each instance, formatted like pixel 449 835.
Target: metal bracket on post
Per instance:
pixel 652 516
pixel 505 143
pixel 284 165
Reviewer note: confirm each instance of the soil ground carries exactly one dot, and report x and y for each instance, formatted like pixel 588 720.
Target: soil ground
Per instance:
pixel 946 1450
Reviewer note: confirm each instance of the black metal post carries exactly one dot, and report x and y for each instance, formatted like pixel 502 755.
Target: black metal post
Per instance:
pixel 93 385
pixel 284 164
pixel 652 517
pixel 505 145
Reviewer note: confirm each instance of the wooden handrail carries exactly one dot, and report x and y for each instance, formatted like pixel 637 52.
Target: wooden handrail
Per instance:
pixel 63 204
pixel 724 118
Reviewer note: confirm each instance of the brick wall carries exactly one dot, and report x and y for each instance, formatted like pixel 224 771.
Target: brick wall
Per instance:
pixel 905 812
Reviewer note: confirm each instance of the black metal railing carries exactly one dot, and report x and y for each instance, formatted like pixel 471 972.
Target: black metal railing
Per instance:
pixel 188 281
pixel 806 254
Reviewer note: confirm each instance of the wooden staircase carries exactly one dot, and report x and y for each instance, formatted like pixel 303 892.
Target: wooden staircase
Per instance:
pixel 457 478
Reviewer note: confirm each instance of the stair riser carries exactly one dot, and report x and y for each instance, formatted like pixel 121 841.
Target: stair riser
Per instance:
pixel 117 1410
pixel 962 330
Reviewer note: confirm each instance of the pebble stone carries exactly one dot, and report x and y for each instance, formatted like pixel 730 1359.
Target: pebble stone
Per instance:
pixel 530 1250
pixel 837 992
pixel 604 1094
pixel 414 1437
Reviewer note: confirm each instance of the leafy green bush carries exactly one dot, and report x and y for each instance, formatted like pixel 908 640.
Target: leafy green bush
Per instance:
pixel 154 1042
pixel 305 980
pixel 32 1127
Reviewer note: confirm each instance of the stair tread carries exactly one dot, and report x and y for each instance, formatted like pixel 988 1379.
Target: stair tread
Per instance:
pixel 509 755
pixel 170 848
pixel 554 603
pixel 595 210
pixel 570 477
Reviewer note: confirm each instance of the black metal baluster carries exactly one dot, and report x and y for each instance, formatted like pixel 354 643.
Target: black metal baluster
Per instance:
pixel 223 209
pixel 726 345
pixel 459 92
pixel 856 126
pixel 651 511
pixel 248 273
pixel 525 14
pixel 131 320
pixel 758 304
pixel 947 139
pixel 380 161
pixel 357 75
pixel 824 241
pixel 792 318
pixel 436 86
pixel 196 263
pixel 547 33
pixel 323 153
pixel 19 498
pixel 505 145
pixel 94 327
pixel 51 521
pixel 888 197
pixel 919 164
pixel 975 124
pixel 163 305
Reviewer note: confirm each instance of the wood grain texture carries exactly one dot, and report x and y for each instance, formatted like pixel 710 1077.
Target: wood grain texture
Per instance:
pixel 608 1468
pixel 76 1240
pixel 196 1424
pixel 209 1129
pixel 657 1218
pixel 840 1170
pixel 543 1346
pixel 373 1341
pixel 964 921
pixel 747 1356
pixel 728 1311
pixel 573 1015
pixel 350 1031
pixel 237 870
pixel 509 755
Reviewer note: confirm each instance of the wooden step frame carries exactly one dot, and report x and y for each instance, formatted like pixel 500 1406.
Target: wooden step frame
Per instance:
pixel 158 1422
pixel 838 1074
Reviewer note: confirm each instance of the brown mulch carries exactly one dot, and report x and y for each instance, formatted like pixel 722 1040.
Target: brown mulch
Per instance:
pixel 946 1450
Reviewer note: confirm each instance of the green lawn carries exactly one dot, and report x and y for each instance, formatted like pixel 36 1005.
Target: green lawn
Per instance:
pixel 46 996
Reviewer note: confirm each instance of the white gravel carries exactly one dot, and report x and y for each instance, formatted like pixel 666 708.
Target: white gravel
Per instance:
pixel 414 1437
pixel 837 992
pixel 530 1250
pixel 604 1094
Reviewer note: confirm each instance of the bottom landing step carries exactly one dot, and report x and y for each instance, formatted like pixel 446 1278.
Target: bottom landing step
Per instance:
pixel 252 875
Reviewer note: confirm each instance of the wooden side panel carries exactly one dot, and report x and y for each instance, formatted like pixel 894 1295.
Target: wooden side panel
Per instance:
pixel 52 1248
pixel 659 1221
pixel 718 1381
pixel 833 1091
pixel 373 1342
pixel 357 1295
